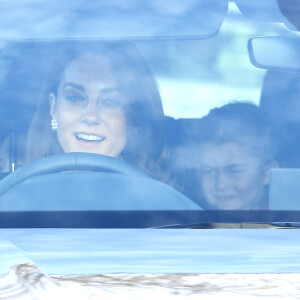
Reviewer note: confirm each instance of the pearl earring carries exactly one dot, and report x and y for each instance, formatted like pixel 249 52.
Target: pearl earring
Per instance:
pixel 54 124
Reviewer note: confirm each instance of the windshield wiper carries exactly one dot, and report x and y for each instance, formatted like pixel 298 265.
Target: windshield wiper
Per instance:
pixel 248 225
pixel 286 224
pixel 190 225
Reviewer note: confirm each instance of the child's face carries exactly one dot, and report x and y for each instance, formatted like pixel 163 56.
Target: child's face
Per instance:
pixel 232 178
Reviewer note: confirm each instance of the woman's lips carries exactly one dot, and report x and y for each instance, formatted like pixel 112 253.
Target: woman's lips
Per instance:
pixel 89 139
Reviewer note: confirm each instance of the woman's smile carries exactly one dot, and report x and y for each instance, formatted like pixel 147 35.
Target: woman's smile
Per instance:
pixel 89 137
pixel 88 108
pixel 89 140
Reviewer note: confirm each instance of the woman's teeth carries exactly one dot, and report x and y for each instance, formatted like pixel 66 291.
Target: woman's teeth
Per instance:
pixel 89 137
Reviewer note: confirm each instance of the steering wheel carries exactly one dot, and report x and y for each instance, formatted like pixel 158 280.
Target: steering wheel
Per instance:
pixel 86 182
pixel 68 162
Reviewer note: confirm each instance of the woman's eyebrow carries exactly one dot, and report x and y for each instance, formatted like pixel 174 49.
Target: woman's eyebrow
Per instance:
pixel 81 88
pixel 110 90
pixel 75 85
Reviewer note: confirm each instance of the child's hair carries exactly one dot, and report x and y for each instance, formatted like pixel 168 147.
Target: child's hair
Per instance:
pixel 242 123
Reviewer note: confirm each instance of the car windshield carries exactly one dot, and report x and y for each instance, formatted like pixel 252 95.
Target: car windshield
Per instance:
pixel 182 113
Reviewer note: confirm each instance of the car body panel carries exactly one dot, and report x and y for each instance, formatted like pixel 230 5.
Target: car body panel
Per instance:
pixel 103 251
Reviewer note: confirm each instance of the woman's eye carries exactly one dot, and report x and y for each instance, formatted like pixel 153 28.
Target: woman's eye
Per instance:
pixel 75 98
pixel 111 103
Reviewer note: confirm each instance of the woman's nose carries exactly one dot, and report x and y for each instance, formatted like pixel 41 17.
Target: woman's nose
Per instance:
pixel 90 114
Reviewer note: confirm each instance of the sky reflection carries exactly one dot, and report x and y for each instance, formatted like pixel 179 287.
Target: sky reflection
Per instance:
pixel 95 251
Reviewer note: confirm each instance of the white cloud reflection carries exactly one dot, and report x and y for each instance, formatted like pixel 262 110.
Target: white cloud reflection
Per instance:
pixel 108 19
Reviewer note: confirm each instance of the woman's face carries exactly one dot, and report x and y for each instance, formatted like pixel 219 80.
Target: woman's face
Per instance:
pixel 88 108
pixel 232 178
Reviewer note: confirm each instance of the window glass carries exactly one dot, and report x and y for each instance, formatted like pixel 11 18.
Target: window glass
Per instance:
pixel 111 19
pixel 180 108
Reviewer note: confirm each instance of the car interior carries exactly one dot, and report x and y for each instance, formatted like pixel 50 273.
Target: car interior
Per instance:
pixel 202 58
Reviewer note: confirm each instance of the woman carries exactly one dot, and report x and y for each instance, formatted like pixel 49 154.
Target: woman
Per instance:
pixel 235 153
pixel 99 97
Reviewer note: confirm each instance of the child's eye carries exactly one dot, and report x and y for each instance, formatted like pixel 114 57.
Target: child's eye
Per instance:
pixel 236 171
pixel 208 171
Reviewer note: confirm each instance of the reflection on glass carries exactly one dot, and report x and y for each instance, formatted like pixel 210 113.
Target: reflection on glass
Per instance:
pixel 111 19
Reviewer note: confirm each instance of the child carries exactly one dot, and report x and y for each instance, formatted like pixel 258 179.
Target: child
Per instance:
pixel 235 153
